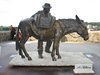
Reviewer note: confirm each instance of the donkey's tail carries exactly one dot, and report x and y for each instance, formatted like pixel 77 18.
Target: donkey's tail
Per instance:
pixel 17 40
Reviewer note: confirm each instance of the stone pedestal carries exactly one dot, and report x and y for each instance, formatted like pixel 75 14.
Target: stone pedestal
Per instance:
pixel 77 59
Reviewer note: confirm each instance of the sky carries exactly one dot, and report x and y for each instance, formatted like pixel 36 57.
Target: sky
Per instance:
pixel 13 11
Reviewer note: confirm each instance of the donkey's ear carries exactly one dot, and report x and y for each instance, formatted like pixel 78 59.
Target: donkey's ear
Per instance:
pixel 78 19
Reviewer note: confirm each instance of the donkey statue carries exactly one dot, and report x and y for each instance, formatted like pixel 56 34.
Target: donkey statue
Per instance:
pixel 60 28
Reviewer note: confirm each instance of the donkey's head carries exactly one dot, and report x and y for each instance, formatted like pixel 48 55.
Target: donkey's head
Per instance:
pixel 82 29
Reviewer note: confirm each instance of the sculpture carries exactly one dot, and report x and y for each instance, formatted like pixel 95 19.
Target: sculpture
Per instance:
pixel 60 28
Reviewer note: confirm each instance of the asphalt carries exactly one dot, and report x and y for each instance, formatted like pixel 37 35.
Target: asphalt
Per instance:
pixel 91 50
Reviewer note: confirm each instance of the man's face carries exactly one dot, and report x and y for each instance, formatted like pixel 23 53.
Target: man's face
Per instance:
pixel 46 10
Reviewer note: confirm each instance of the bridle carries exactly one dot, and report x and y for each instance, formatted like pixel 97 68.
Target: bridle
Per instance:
pixel 74 36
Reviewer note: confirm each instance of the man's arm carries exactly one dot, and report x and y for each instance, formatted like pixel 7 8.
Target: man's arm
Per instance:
pixel 36 15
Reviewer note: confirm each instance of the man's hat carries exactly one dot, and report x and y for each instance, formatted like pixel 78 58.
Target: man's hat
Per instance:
pixel 47 5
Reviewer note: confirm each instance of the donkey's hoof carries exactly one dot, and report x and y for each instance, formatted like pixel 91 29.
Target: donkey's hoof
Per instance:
pixel 23 57
pixel 54 59
pixel 41 57
pixel 59 57
pixel 29 58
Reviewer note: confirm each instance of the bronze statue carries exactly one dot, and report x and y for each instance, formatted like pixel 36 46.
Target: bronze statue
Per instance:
pixel 60 28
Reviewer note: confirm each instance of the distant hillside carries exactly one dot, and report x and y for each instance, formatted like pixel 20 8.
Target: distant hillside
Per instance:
pixel 94 23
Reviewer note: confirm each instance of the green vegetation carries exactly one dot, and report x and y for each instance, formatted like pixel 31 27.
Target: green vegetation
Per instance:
pixel 3 28
pixel 96 24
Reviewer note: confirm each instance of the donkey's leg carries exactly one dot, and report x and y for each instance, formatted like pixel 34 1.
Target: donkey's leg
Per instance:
pixel 20 53
pixel 48 45
pixel 23 41
pixel 57 50
pixel 40 48
pixel 20 50
pixel 53 52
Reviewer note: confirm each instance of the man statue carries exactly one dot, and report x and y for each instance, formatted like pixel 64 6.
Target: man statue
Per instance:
pixel 44 19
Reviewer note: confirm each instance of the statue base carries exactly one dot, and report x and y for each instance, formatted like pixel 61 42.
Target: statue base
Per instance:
pixel 79 60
